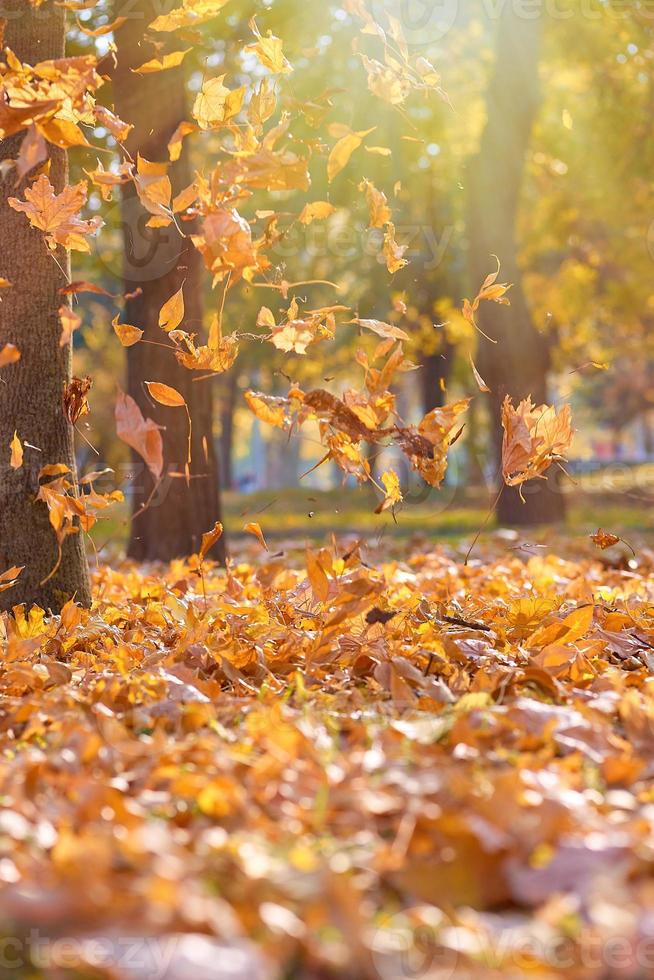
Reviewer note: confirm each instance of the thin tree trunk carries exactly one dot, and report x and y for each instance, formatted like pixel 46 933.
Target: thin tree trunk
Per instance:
pixel 519 362
pixel 157 262
pixel 31 390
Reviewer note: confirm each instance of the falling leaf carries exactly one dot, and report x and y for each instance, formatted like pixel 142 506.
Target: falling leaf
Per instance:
pixel 127 334
pixel 143 435
pixel 253 528
pixel 190 14
pixel 70 321
pixel 57 214
pixel 9 355
pixel 378 209
pixel 343 150
pixel 392 252
pixel 16 447
pixel 268 50
pixel 534 438
pixel 387 330
pixel 165 395
pixel 9 578
pixel 176 140
pixel 210 538
pixel 171 313
pixel 481 384
pixel 604 539
pixel 171 60
pixel 215 104
pixel 316 211
pixel 75 399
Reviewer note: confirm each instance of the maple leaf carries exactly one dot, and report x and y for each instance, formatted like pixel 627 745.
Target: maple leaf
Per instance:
pixel 393 492
pixel 604 539
pixel 268 50
pixel 190 14
pixel 490 291
pixel 154 188
pixel 216 105
pixel 57 215
pixel 534 438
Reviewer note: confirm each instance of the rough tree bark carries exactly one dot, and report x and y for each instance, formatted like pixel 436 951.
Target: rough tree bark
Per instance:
pixel 518 364
pixel 31 390
pixel 157 262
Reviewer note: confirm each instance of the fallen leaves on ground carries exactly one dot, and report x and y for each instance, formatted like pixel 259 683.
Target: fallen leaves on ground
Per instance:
pixel 330 764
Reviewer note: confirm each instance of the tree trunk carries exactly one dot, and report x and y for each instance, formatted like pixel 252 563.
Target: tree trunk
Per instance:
pixel 157 261
pixel 519 362
pixel 31 390
pixel 435 373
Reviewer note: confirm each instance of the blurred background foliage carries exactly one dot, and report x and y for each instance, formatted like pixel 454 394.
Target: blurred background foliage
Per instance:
pixel 585 235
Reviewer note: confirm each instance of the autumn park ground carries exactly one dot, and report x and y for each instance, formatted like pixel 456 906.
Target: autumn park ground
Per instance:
pixel 338 760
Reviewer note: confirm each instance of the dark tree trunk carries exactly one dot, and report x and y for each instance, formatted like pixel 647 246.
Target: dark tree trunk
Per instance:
pixel 518 363
pixel 434 375
pixel 31 390
pixel 157 262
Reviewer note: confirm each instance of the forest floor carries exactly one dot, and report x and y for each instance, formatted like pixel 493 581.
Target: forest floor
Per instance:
pixel 346 764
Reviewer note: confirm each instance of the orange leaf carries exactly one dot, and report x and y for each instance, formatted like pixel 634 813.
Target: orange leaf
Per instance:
pixel 209 538
pixel 16 446
pixel 165 395
pixel 141 434
pixel 126 333
pixel 254 528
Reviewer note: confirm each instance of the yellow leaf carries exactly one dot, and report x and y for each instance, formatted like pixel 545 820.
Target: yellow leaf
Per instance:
pixel 176 140
pixel 316 211
pixel 269 51
pixel 171 313
pixel 215 104
pixel 126 333
pixel 171 60
pixel 343 150
pixel 190 14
